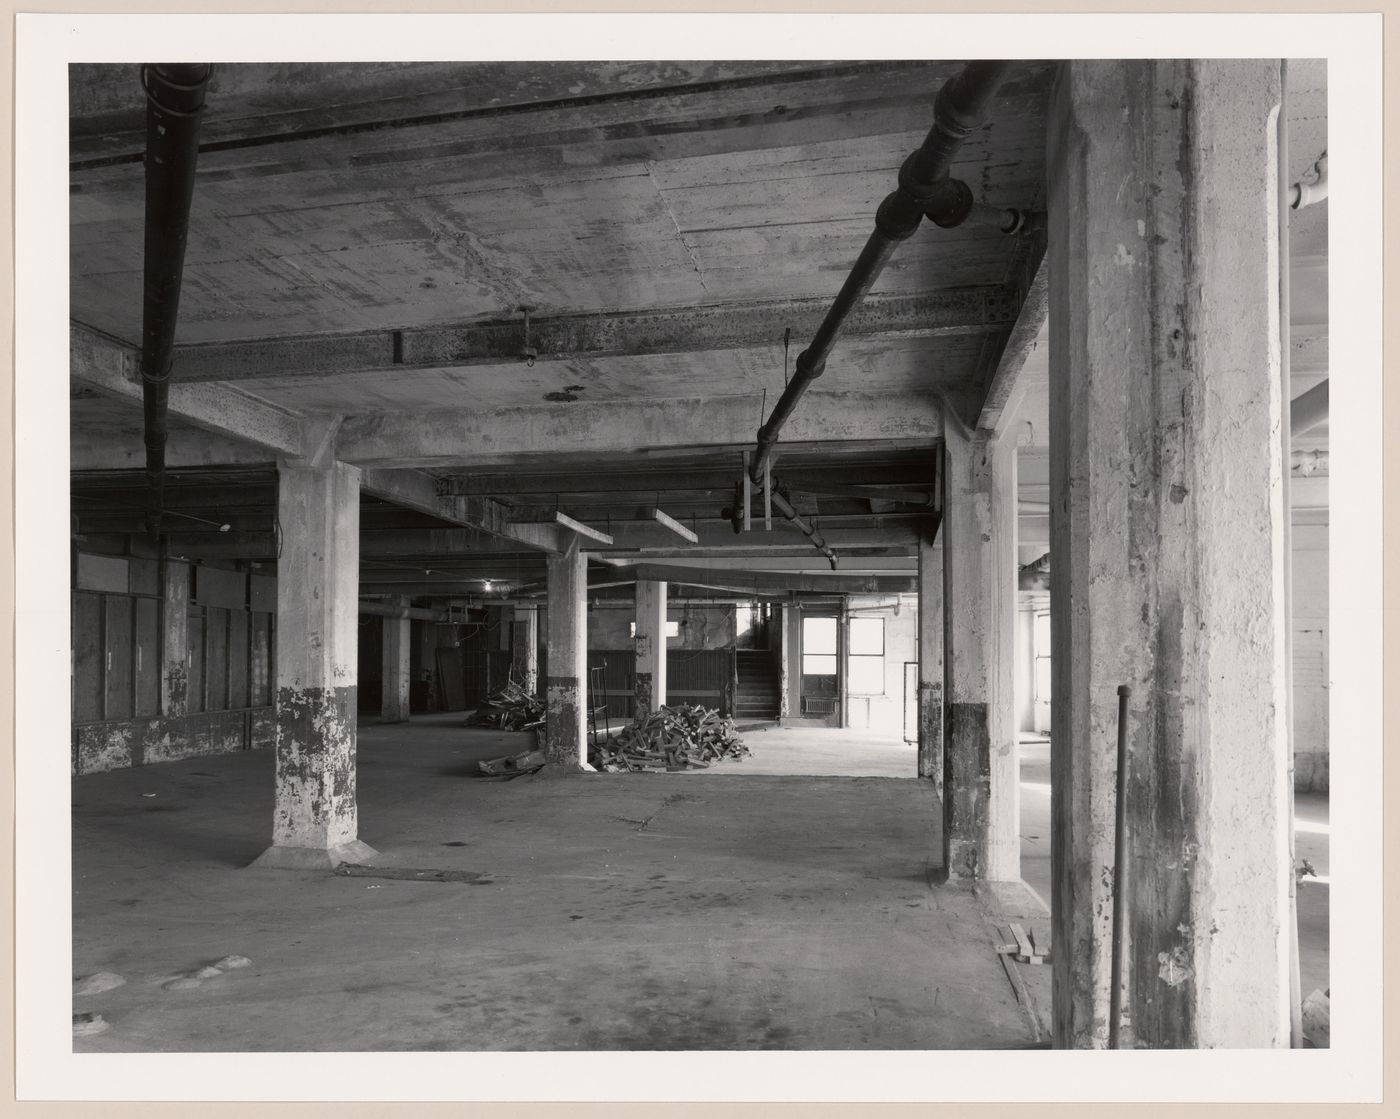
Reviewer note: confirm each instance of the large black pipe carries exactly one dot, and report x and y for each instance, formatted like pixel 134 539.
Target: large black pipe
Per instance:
pixel 924 188
pixel 174 108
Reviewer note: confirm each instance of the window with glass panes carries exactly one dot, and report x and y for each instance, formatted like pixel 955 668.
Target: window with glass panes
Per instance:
pixel 866 662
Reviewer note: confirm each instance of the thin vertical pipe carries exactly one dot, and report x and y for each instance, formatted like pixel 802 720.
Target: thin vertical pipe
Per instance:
pixel 1120 848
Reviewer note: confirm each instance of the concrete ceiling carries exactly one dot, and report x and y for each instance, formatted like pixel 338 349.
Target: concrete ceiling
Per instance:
pixel 364 236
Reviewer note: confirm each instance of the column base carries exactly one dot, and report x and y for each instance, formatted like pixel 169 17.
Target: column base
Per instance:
pixel 314 858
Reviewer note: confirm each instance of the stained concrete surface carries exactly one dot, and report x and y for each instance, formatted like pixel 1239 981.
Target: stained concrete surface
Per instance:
pixel 838 752
pixel 821 752
pixel 624 911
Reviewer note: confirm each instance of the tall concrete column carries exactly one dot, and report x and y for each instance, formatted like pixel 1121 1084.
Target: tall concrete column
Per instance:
pixel 524 648
pixel 930 585
pixel 398 648
pixel 566 687
pixel 315 823
pixel 790 678
pixel 651 647
pixel 1167 521
pixel 175 643
pixel 981 790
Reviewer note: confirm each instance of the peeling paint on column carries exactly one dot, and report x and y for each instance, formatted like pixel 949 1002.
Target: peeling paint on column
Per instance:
pixel 642 706
pixel 561 720
pixel 967 769
pixel 315 749
pixel 931 733
pixel 176 689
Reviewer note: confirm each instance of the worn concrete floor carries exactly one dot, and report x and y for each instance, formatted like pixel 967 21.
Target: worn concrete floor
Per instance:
pixel 636 911
pixel 823 752
pixel 836 752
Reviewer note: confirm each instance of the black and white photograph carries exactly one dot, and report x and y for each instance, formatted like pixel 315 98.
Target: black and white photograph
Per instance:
pixel 699 544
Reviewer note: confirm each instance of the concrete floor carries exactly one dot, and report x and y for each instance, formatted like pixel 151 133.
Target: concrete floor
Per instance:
pixel 641 911
pixel 836 752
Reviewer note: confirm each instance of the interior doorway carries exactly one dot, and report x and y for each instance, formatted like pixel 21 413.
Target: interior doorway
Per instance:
pixel 821 660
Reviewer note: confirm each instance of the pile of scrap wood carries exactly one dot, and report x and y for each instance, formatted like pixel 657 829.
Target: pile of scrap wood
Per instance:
pixel 511 708
pixel 683 737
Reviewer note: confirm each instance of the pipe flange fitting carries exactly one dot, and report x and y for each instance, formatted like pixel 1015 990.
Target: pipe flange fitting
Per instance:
pixel 898 217
pixel 951 204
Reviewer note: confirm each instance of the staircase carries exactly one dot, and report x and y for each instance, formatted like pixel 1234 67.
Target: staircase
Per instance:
pixel 757 695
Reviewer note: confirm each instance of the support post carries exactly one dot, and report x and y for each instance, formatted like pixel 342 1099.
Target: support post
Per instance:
pixel 1167 526
pixel 981 786
pixel 931 662
pixel 315 821
pixel 524 648
pixel 651 648
pixel 566 688
pixel 175 643
pixel 789 666
pixel 398 645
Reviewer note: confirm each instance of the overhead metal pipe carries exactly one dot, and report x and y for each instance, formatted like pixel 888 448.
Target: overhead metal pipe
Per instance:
pixel 924 188
pixel 174 108
pixel 389 610
pixel 735 515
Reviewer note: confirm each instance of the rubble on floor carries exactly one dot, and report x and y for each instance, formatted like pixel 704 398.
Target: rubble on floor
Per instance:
pixel 513 765
pixel 673 738
pixel 511 708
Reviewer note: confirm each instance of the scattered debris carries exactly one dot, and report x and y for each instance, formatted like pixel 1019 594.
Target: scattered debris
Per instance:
pixel 230 963
pixel 410 874
pixel 1317 1019
pixel 674 738
pixel 96 983
pixel 1028 948
pixel 514 765
pixel 88 1023
pixel 511 708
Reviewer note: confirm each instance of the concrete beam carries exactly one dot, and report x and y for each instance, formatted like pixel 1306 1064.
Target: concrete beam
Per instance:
pixel 114 447
pixel 766 582
pixel 412 489
pixel 652 428
pixel 1030 321
pixel 496 345
pixel 111 367
pixel 644 482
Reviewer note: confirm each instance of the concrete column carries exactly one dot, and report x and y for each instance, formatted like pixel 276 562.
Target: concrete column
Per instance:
pixel 398 648
pixel 981 791
pixel 930 584
pixel 651 648
pixel 790 684
pixel 315 823
pixel 1167 520
pixel 566 687
pixel 175 644
pixel 524 648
